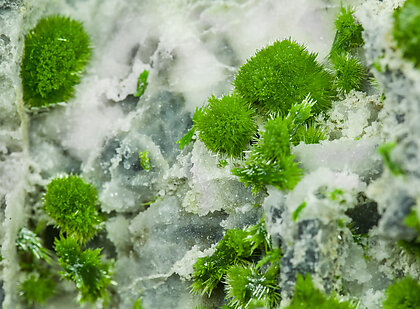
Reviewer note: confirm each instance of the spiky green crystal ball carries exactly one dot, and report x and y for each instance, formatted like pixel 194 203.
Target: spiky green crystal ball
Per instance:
pixel 281 75
pixel 56 51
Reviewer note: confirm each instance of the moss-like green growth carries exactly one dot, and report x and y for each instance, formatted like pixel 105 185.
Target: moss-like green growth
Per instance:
pixel 36 290
pixel 307 296
pixel 258 172
pixel 275 140
pixel 209 270
pixel 348 32
pixel 349 72
pixel 270 161
pixel 404 294
pixel 282 74
pixel 225 125
pixel 72 203
pixel 56 51
pixel 85 268
pixel 236 247
pixel 246 285
pixel 272 256
pixel 407 30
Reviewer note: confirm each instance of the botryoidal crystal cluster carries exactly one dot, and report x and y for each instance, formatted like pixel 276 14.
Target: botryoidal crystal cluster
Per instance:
pixel 209 154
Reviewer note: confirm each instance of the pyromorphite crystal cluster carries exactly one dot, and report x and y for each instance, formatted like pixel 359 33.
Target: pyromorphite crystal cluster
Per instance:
pixel 85 268
pixel 72 203
pixel 236 246
pixel 348 32
pixel 232 263
pixel 270 161
pixel 37 290
pixel 35 261
pixel 349 71
pixel 404 294
pixel 283 82
pixel 56 51
pixel 281 75
pixel 286 86
pixel 226 125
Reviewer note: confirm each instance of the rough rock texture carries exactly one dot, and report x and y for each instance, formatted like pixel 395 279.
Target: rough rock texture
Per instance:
pixel 14 163
pixel 159 221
